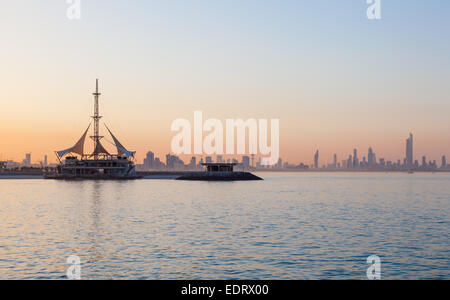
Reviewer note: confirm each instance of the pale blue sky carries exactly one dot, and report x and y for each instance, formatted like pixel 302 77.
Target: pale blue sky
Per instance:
pixel 332 76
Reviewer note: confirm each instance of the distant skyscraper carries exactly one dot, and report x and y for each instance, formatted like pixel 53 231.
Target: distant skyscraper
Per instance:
pixel 246 161
pixel 169 161
pixel 174 162
pixel 349 162
pixel 444 162
pixel 355 159
pixel 280 164
pixel 371 158
pixel 259 164
pixel 316 160
pixel 409 152
pixel 149 160
pixel 28 159
pixel 424 161
pixel 335 163
pixel 45 161
pixel 433 164
pixel 193 162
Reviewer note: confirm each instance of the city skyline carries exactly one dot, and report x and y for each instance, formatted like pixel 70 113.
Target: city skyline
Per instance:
pixel 356 161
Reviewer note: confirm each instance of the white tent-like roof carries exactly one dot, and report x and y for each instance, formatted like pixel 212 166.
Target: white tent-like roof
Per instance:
pixel 78 148
pixel 120 149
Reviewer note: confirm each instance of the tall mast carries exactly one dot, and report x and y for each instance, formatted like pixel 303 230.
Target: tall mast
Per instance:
pixel 96 137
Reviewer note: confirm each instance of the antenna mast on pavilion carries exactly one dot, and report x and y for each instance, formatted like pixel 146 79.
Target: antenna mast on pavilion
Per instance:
pixel 96 137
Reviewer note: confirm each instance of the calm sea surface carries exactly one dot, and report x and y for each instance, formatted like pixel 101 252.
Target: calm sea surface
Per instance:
pixel 290 226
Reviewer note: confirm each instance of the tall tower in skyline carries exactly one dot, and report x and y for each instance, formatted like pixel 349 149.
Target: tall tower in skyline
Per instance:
pixel 370 157
pixel 355 158
pixel 96 137
pixel 316 160
pixel 409 152
pixel 149 160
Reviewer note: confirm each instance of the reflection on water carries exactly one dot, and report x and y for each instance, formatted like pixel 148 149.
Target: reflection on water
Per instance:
pixel 95 216
pixel 290 226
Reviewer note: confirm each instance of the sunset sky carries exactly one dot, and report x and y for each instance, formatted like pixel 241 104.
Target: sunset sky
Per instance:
pixel 335 79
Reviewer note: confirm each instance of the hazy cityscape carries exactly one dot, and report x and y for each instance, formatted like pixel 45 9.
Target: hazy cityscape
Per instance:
pixel 355 162
pixel 225 148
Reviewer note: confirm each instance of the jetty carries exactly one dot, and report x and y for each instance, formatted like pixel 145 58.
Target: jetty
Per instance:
pixel 219 172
